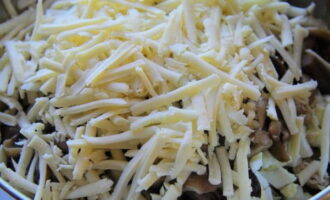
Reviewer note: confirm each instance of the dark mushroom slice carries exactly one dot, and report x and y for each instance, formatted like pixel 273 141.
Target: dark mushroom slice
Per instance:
pixel 63 146
pixel 320 33
pixel 9 147
pixel 279 152
pixel 3 106
pixel 155 188
pixel 197 187
pixel 146 195
pixel 8 132
pixel 256 187
pixel 279 64
pixel 316 65
pixel 206 196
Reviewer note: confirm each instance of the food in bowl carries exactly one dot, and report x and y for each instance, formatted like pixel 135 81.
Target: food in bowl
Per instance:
pixel 167 99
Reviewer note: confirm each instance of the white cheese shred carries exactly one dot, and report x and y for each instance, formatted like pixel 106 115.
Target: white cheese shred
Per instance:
pixel 325 140
pixel 308 172
pixel 91 189
pixel 244 182
pixel 227 179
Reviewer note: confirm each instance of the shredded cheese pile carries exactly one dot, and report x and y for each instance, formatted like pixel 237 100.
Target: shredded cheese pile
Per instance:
pixel 136 89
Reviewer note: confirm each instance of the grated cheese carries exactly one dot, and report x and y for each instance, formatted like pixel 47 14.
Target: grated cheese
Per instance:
pixel 207 69
pixel 98 187
pixel 26 18
pixel 185 149
pixel 278 177
pixel 115 102
pixel 308 172
pixel 325 142
pixel 287 57
pixel 189 20
pixel 10 8
pixel 42 179
pixel 286 34
pixel 244 182
pixel 7 119
pixel 214 170
pixel 226 172
pixel 140 88
pixel 175 95
pixel 17 180
pixel 294 90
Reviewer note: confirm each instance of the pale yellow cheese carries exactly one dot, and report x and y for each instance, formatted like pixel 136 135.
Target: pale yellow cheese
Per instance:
pixel 122 53
pixel 103 185
pixel 295 90
pixel 227 179
pixel 224 122
pixel 189 20
pixel 271 111
pixel 24 160
pixel 207 69
pixel 4 78
pixel 325 142
pixel 287 57
pixel 26 18
pixel 170 116
pixel 115 102
pixel 214 170
pixel 42 179
pixel 16 61
pixel 57 28
pixel 286 34
pixel 185 149
pixel 308 172
pixel 244 182
pixel 175 95
pixel 116 70
pixel 93 27
pixel 7 119
pixel 17 180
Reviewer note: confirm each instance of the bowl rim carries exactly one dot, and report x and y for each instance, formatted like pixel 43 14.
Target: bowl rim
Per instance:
pixel 12 191
pixel 16 194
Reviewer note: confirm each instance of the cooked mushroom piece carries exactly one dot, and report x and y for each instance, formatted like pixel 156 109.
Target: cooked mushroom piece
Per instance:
pixel 260 142
pixel 315 183
pixel 279 152
pixel 261 111
pixel 207 196
pixel 285 135
pixel 315 61
pixel 304 108
pixel 197 187
pixel 199 184
pixel 275 129
pixel 9 147
pixel 8 132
